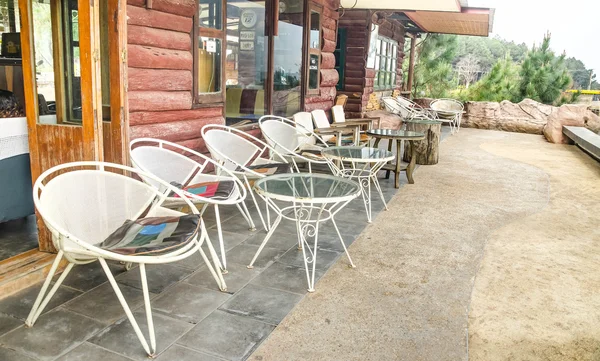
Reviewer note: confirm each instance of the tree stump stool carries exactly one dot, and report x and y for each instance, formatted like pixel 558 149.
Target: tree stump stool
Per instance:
pixel 427 150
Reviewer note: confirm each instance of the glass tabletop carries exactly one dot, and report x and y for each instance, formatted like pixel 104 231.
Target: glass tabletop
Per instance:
pixel 422 121
pixel 358 154
pixel 406 134
pixel 307 187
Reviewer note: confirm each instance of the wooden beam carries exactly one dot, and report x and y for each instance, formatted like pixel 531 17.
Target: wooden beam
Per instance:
pixel 411 65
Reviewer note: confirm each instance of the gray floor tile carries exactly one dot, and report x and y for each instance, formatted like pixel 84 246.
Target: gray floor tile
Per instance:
pixel 243 254
pixel 330 240
pixel 238 225
pixel 281 239
pixel 180 353
pixel 53 334
pixel 102 303
pixel 228 336
pixel 121 338
pixel 238 276
pixel 159 277
pixel 264 304
pixel 285 277
pixel 8 323
pixel 90 352
pixel 18 236
pixel 88 276
pixel 193 262
pixel 19 305
pixel 349 226
pixel 325 258
pixel 189 303
pixel 12 355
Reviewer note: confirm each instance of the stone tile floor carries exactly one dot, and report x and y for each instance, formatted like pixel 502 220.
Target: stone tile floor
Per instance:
pixel 193 319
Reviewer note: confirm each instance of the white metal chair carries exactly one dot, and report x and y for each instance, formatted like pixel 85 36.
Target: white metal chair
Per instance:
pixel 449 111
pixel 417 109
pixel 293 141
pixel 87 204
pixel 173 163
pixel 245 156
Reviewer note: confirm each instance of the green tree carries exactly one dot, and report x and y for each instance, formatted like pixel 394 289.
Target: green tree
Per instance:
pixel 433 74
pixel 501 83
pixel 543 75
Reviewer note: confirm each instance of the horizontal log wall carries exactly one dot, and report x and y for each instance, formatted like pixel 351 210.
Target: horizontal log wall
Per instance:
pixel 160 79
pixel 358 79
pixel 329 76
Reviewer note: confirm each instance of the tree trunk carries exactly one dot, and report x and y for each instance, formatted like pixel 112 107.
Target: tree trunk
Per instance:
pixel 427 150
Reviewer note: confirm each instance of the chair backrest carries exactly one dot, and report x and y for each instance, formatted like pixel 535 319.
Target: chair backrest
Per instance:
pixel 89 201
pixel 282 134
pixel 231 147
pixel 338 114
pixel 320 118
pixel 450 105
pixel 406 102
pixel 150 156
pixel 304 119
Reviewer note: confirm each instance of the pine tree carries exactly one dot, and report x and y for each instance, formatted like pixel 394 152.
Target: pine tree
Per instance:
pixel 543 74
pixel 434 75
pixel 501 83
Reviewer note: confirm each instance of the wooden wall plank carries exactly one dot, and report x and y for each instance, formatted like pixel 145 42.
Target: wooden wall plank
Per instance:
pixel 158 19
pixel 145 117
pixel 158 38
pixel 159 100
pixel 159 79
pixel 156 58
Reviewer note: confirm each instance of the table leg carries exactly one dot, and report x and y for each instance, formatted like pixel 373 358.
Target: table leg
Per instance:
pixel 387 172
pixel 305 229
pixel 413 161
pixel 398 163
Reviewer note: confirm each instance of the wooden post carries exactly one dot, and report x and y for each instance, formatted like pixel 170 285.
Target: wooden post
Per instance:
pixel 411 63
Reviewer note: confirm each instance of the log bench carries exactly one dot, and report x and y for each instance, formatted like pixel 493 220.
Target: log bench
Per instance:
pixel 585 139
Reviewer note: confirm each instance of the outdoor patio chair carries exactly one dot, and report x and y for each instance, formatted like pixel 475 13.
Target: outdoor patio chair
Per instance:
pixel 362 124
pixel 189 170
pixel 295 142
pixel 334 133
pixel 245 156
pixel 96 213
pixel 448 111
pixel 416 108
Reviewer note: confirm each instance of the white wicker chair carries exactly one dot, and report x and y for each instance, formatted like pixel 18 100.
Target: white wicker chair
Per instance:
pixel 416 108
pixel 241 153
pixel 173 163
pixel 83 203
pixel 293 141
pixel 448 111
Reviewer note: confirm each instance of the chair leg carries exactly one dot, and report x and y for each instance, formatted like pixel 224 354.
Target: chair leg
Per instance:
pixel 246 214
pixel 220 235
pixel 215 261
pixel 42 299
pixel 264 242
pixel 149 319
pixel 134 324
pixel 255 203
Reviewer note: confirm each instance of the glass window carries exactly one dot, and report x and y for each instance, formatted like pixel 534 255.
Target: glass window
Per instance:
pixel 386 63
pixel 315 30
pixel 208 56
pixel 314 51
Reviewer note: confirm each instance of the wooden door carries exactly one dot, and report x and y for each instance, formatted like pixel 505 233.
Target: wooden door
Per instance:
pixel 73 128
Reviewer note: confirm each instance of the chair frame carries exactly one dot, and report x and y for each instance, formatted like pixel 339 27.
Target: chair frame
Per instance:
pixel 293 154
pixel 198 169
pixel 263 149
pixel 88 252
pixel 450 116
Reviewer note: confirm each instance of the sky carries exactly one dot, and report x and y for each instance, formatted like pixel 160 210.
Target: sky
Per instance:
pixel 574 25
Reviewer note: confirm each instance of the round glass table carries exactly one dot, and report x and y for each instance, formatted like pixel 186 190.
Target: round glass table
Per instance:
pixel 398 136
pixel 307 199
pixel 360 164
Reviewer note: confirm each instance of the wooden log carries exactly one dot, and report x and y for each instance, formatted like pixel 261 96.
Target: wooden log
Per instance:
pixel 136 2
pixel 353 81
pixel 355 73
pixel 356 51
pixel 329 77
pixel 369 82
pixel 328 34
pixel 173 131
pixel 331 12
pixel 355 14
pixel 358 60
pixel 357 42
pixel 159 100
pixel 328 22
pixel 328 46
pixel 370 73
pixel 158 38
pixel 353 107
pixel 326 94
pixel 427 150
pixel 353 87
pixel 327 61
pixel 159 79
pixel 156 58
pixel 140 118
pixel 158 19
pixel 178 7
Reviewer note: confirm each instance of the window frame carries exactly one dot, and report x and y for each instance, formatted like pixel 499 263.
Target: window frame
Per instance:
pixel 387 64
pixel 309 9
pixel 208 99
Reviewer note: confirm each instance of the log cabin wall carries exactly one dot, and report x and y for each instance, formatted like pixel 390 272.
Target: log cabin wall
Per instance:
pixel 160 79
pixel 358 79
pixel 329 76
